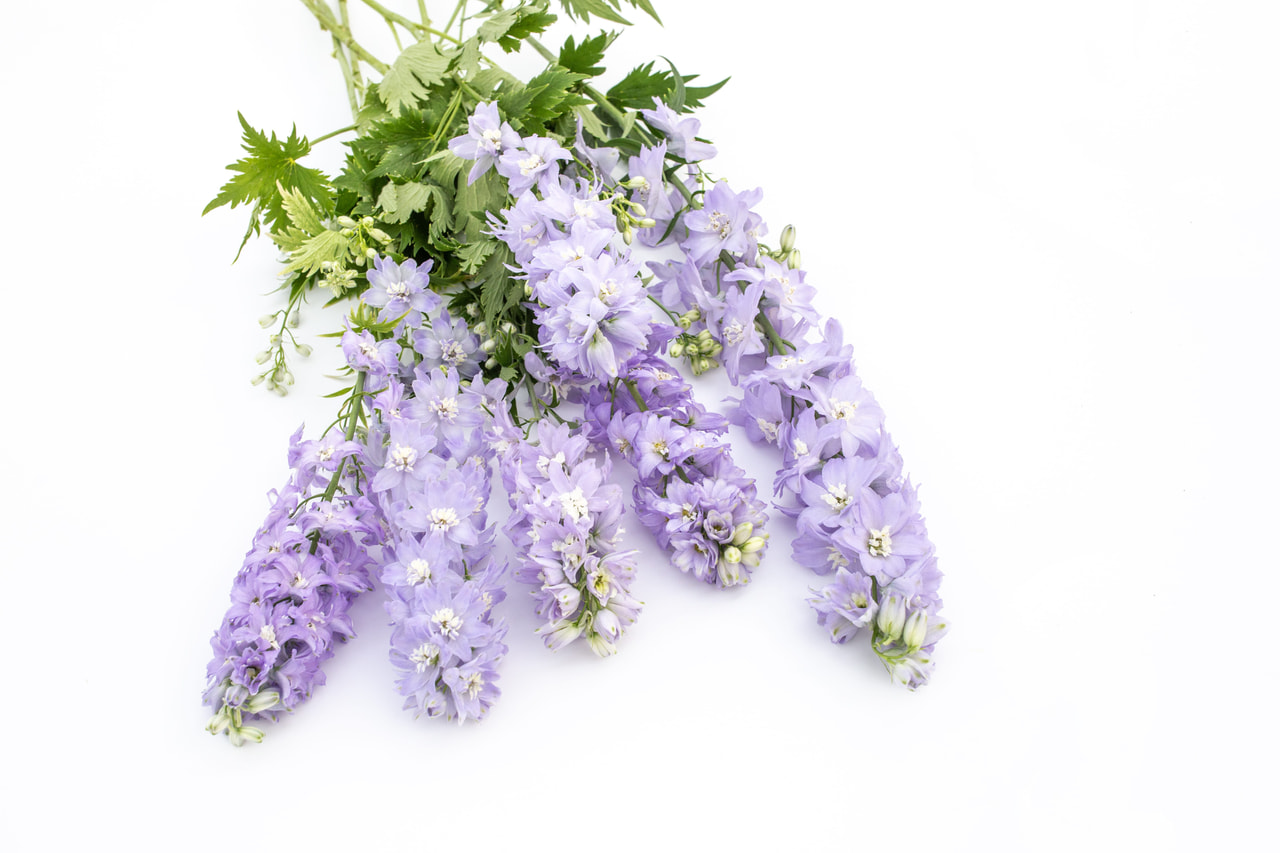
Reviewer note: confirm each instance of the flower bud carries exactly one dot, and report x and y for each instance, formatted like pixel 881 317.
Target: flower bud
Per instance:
pixel 890 619
pixel 742 532
pixel 508 327
pixel 262 701
pixel 473 310
pixel 528 290
pixel 628 235
pixel 267 320
pixel 732 554
pixel 346 222
pixel 730 574
pixel 685 322
pixel 788 239
pixel 648 222
pixel 704 336
pixel 347 232
pixel 481 328
pixel 304 350
pixel 793 260
pixel 489 345
pixel 380 235
pixel 638 210
pixel 754 544
pixel 263 357
pixel 676 349
pixel 490 364
pixel 257 380
pixel 915 629
pixel 371 253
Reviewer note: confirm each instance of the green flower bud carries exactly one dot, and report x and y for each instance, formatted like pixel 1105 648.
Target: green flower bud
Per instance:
pixel 380 235
pixel 676 349
pixel 346 222
pixel 890 619
pixel 732 555
pixel 793 260
pixel 685 322
pixel 754 544
pixel 647 223
pixel 628 235
pixel 742 532
pixel 788 239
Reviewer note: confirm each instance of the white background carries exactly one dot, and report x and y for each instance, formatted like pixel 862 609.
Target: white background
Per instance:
pixel 1050 232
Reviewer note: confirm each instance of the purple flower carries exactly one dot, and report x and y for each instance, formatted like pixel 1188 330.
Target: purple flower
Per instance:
pixel 400 290
pixel 681 133
pixel 487 137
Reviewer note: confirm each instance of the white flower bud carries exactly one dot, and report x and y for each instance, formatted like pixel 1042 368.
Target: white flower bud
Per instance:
pixel 473 310
pixel 262 701
pixel 676 349
pixel 489 345
pixel 490 364
pixel 732 554
pixel 371 253
pixel 346 222
pixel 742 532
pixel 647 222
pixel 267 320
pixel 628 235
pixel 754 544
pixel 481 328
pixel 380 235
pixel 263 357
pixel 890 619
pixel 508 327
pixel 294 320
pixel 257 380
pixel 915 629
pixel 793 260
pixel 304 350
pixel 274 340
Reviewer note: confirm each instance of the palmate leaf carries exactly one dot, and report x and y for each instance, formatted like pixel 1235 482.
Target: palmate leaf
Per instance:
pixel 585 58
pixel 642 84
pixel 495 283
pixel 543 99
pixel 328 246
pixel 271 164
pixel 411 77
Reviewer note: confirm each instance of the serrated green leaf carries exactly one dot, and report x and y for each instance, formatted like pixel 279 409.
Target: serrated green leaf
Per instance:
pixel 641 85
pixel 411 77
pixel 474 201
pixel 473 255
pixel 301 213
pixel 400 201
pixel 466 59
pixel 495 281
pixel 271 163
pixel 695 96
pixel 328 246
pixel 582 10
pixel 546 97
pixel 584 58
pixel 507 374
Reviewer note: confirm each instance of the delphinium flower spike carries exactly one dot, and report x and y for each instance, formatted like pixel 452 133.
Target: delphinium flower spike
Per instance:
pixel 290 602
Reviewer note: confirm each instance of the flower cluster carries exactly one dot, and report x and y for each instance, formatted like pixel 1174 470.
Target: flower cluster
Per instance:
pixel 589 301
pixel 565 519
pixel 290 601
pixel 689 493
pixel 428 471
pixel 842 479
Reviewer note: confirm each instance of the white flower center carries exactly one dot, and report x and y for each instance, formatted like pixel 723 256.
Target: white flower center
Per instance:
pixel 447 621
pixel 425 655
pixel 397 290
pixel 325 454
pixel 492 135
pixel 443 520
pixel 769 428
pixel 269 634
pixel 402 458
pixel 453 353
pixel 802 449
pixel 368 350
pixel 841 410
pixel 473 685
pixel 574 503
pixel 298 581
pixel 837 496
pixel 446 408
pixel 660 447
pixel 720 222
pixel 530 164
pixel 544 462
pixel 734 333
pixel 418 571
pixel 879 543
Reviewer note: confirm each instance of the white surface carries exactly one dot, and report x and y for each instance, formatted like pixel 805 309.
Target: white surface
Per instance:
pixel 1050 231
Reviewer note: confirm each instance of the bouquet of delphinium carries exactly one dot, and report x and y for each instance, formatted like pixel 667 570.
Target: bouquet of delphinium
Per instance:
pixel 531 265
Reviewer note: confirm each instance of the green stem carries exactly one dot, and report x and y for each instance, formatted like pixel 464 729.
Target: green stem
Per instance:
pixel 324 16
pixel 635 394
pixel 594 94
pixel 679 184
pixel 422 11
pixel 349 433
pixel 775 340
pixel 348 76
pixel 456 9
pixel 392 17
pixel 334 133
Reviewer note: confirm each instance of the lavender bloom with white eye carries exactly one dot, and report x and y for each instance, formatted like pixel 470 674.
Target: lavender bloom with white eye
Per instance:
pixel 725 223
pixel 487 137
pixel 531 164
pixel 400 290
pixel 448 344
pixel 845 606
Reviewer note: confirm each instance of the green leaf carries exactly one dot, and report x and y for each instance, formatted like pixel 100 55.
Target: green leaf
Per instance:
pixel 472 255
pixel 585 58
pixel 546 97
pixel 399 201
pixel 495 281
pixel 328 246
pixel 410 78
pixel 301 213
pixel 641 85
pixel 272 163
pixel 511 26
pixel 474 201
pixel 694 96
pixel 582 10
